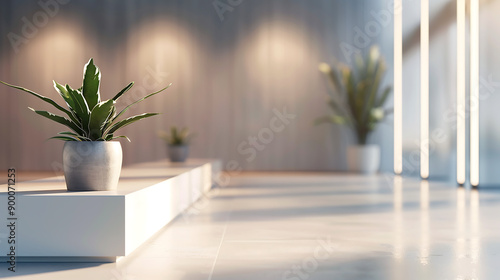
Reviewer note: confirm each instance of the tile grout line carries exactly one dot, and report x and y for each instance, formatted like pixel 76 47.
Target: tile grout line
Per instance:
pixel 218 251
pixel 220 244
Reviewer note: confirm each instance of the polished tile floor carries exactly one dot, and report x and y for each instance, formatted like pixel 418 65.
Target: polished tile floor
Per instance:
pixel 313 226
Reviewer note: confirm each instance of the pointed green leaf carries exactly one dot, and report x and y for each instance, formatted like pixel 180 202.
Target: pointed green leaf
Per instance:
pixel 80 137
pixel 129 86
pixel 64 138
pixel 58 119
pixel 333 78
pixel 360 65
pixel 173 131
pixel 383 97
pixel 137 101
pixel 336 108
pixel 128 121
pixel 121 136
pixel 331 119
pixel 44 98
pixel 81 109
pixel 98 118
pixel 91 79
pixel 377 77
pixel 109 120
pixel 63 92
pixel 108 137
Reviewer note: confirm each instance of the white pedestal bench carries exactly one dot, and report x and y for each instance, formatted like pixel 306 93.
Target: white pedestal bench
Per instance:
pixel 56 225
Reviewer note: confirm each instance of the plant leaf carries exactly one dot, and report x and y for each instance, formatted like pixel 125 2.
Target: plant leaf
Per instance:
pixel 183 134
pixel 80 137
pixel 350 85
pixel 137 101
pixel 360 65
pixel 121 136
pixel 64 138
pixel 63 92
pixel 58 119
pixel 118 95
pixel 333 78
pixel 81 108
pixel 360 85
pixel 98 118
pixel 128 121
pixel 44 98
pixel 375 84
pixel 109 120
pixel 91 79
pixel 384 96
pixel 331 119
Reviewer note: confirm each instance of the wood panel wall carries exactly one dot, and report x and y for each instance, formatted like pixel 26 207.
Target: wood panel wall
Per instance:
pixel 229 76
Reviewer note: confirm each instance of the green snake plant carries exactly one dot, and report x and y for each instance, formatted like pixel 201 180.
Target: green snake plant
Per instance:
pixel 177 137
pixel 357 99
pixel 87 117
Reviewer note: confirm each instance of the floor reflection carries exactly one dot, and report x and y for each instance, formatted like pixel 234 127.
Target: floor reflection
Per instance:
pixel 398 247
pixel 411 230
pixel 424 222
pixel 468 240
pixel 460 252
pixel 474 231
pixel 398 218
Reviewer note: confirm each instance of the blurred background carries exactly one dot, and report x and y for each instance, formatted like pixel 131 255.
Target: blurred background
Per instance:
pixel 234 65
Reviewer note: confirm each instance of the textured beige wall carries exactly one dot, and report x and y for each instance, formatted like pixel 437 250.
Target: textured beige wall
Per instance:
pixel 229 75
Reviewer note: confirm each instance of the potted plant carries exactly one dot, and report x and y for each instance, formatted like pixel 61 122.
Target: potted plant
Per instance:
pixel 358 102
pixel 92 160
pixel 177 142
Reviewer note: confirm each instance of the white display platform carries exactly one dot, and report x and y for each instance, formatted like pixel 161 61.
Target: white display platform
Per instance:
pixel 56 225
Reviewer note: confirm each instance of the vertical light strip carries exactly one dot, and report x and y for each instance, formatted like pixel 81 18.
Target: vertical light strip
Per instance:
pixel 398 87
pixel 474 92
pixel 461 92
pixel 424 89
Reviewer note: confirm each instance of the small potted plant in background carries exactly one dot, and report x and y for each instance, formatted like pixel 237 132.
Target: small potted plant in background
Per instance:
pixel 357 101
pixel 91 159
pixel 177 142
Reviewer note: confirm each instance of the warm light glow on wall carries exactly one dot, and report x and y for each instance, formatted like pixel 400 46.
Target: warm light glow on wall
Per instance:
pixel 276 48
pixel 398 87
pixel 461 103
pixel 424 89
pixel 40 62
pixel 157 43
pixel 474 92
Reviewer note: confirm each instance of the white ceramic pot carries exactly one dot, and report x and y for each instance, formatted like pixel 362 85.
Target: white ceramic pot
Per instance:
pixel 92 165
pixel 363 158
pixel 178 153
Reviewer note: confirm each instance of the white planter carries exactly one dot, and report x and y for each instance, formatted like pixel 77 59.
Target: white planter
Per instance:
pixel 92 165
pixel 363 158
